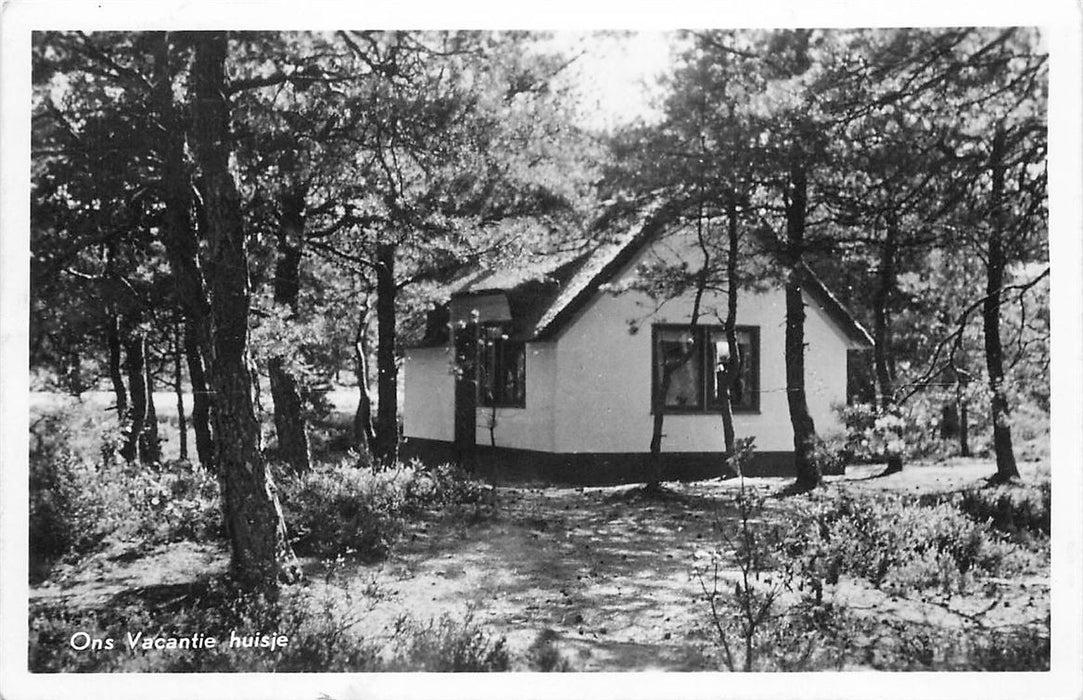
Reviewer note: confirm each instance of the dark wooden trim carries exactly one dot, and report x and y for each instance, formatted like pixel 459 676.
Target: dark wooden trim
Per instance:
pixel 511 465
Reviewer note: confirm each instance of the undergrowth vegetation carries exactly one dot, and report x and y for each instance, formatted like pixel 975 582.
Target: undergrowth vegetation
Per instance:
pixel 1020 510
pixel 344 509
pixel 776 586
pixel 78 500
pixel 82 494
pixel 323 626
pixel 770 588
pixel 892 541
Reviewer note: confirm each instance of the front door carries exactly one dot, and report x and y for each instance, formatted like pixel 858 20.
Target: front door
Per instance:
pixel 466 393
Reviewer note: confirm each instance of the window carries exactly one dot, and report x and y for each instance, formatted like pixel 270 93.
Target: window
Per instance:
pixel 695 362
pixel 501 369
pixel 860 377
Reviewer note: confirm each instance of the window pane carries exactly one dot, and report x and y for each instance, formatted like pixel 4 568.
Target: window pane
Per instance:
pixel 514 367
pixel 679 357
pixel 501 369
pixel 742 393
pixel 487 371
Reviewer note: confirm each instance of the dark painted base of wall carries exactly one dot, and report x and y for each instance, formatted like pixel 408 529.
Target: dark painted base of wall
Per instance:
pixel 509 465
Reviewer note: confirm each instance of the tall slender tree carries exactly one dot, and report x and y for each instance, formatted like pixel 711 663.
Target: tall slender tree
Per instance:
pixel 261 554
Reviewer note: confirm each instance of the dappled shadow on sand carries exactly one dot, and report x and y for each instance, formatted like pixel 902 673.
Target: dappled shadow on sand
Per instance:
pixel 608 571
pixel 125 571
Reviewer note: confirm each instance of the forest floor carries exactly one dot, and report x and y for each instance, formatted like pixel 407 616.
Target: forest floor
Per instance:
pixel 603 575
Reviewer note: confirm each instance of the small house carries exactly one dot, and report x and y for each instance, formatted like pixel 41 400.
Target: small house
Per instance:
pixel 552 372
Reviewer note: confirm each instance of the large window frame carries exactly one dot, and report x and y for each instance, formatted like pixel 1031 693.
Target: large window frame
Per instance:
pixel 501 369
pixel 702 373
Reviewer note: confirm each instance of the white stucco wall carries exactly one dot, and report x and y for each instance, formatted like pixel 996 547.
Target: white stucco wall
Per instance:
pixel 590 390
pixel 531 427
pixel 429 401
pixel 604 376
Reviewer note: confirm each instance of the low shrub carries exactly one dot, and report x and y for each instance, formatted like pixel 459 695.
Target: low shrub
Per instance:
pixel 1012 508
pixel 890 540
pixel 82 495
pixel 543 655
pixel 440 486
pixel 831 455
pixel 1022 649
pixel 71 509
pixel 341 508
pixel 320 624
pixel 447 644
pixel 76 504
pixel 912 432
pixel 338 509
pixel 907 646
pixel 812 635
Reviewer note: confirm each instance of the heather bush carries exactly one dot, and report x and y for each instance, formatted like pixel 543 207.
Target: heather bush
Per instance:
pixel 79 499
pixel 75 505
pixel 178 501
pixel 341 508
pixel 831 455
pixel 912 431
pixel 892 541
pixel 770 609
pixel 1017 509
pixel 440 486
pixel 447 644
pixel 909 646
pixel 72 510
pixel 812 635
pixel 543 654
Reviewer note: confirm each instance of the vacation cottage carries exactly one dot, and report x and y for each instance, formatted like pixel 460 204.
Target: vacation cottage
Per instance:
pixel 553 372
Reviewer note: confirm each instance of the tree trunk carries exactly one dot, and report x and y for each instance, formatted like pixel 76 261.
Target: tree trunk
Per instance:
pixel 804 430
pixel 387 422
pixel 150 447
pixel 364 435
pixel 116 369
pixel 293 443
pixel 178 387
pixel 882 350
pixel 137 382
pixel 733 361
pixel 260 552
pixel 654 461
pixel 73 372
pixel 201 399
pixel 290 427
pixel 994 353
pixel 182 244
pixel 964 427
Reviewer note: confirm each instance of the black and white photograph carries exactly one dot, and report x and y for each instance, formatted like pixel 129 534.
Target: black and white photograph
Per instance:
pixel 422 358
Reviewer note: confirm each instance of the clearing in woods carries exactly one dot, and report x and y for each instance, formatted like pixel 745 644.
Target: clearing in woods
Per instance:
pixel 602 572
